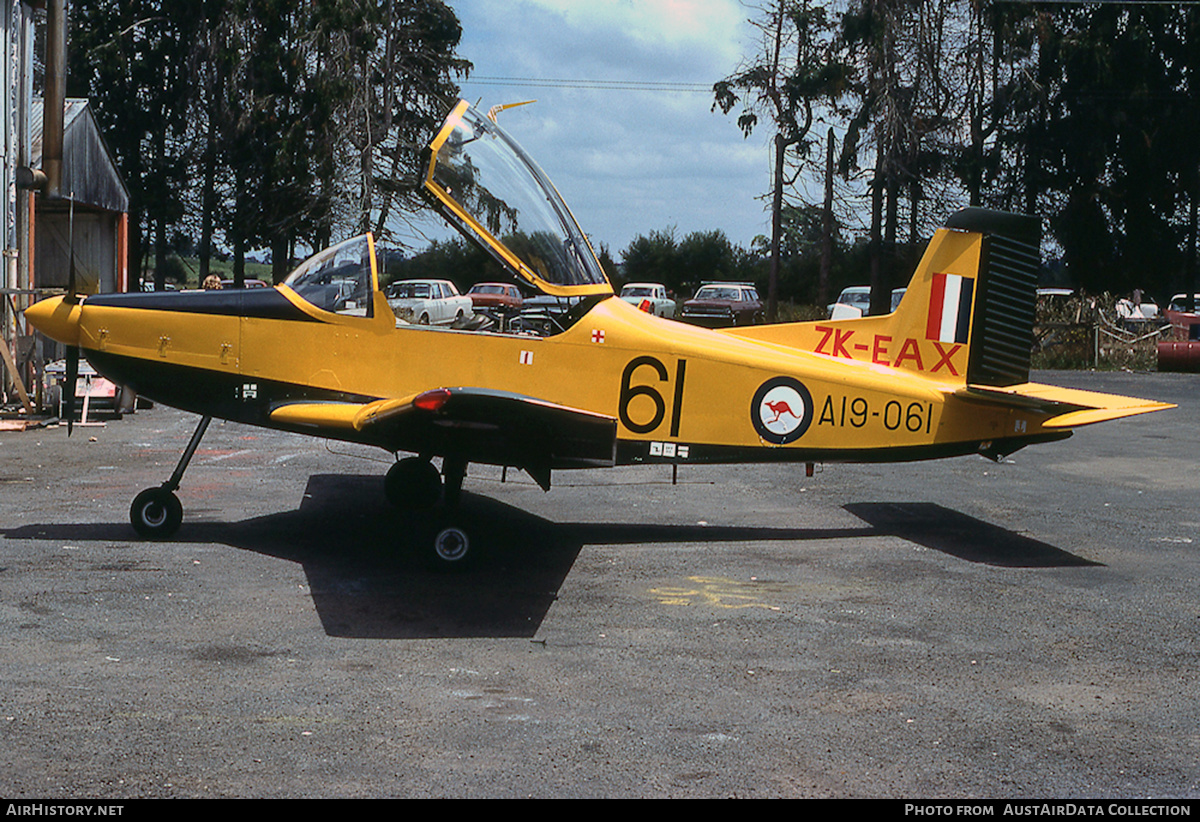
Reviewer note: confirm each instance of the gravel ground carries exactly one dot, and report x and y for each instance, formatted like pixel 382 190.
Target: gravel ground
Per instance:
pixel 948 629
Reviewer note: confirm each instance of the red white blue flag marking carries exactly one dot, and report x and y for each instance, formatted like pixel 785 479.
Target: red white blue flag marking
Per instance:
pixel 950 308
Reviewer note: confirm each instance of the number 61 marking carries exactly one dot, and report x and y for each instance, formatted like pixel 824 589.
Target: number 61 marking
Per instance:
pixel 629 391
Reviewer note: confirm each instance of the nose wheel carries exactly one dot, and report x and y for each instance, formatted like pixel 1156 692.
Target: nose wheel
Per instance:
pixel 156 512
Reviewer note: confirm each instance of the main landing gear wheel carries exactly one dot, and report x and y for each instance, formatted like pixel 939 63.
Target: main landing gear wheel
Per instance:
pixel 413 484
pixel 451 547
pixel 156 512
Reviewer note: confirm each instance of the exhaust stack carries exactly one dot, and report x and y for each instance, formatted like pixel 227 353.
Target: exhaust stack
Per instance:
pixel 55 98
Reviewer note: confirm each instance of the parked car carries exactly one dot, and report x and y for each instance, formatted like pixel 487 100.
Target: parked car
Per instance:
pixel 495 295
pixel 652 295
pixel 723 304
pixel 1179 303
pixel 247 283
pixel 855 302
pixel 543 315
pixel 1055 293
pixel 1188 322
pixel 428 302
pixel 148 286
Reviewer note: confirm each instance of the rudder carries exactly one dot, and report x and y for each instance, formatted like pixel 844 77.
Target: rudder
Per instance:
pixel 1006 294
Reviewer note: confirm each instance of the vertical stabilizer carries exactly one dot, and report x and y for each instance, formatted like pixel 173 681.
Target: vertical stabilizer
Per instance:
pixel 966 317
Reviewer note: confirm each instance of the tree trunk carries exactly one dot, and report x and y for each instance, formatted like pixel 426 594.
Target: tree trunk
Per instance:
pixel 826 228
pixel 776 231
pixel 208 198
pixel 877 284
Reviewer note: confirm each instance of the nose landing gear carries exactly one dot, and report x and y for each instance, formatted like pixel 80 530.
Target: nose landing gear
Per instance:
pixel 157 512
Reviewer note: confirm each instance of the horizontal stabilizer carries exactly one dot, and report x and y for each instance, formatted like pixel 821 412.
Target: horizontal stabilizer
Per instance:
pixel 1066 407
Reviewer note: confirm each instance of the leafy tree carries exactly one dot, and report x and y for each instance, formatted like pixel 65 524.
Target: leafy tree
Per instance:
pixel 458 260
pixel 653 258
pixel 798 68
pixel 910 98
pixel 1118 147
pixel 681 265
pixel 125 58
pixel 707 255
pixel 298 120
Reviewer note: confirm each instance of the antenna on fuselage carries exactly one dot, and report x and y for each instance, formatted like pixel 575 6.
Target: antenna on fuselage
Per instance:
pixel 494 110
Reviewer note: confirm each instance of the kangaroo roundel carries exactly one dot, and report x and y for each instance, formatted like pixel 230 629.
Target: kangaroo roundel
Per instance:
pixel 781 410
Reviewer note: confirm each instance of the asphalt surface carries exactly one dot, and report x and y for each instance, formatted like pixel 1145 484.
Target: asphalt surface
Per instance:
pixel 949 629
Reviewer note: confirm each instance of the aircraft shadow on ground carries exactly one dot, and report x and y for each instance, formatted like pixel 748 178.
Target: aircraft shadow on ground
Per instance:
pixel 368 581
pixel 956 534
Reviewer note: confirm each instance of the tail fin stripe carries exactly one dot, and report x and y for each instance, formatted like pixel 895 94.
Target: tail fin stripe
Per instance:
pixel 949 308
pixel 963 320
pixel 950 312
pixel 937 298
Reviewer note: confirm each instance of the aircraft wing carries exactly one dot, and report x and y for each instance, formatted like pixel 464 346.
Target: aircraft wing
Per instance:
pixel 1068 407
pixel 472 424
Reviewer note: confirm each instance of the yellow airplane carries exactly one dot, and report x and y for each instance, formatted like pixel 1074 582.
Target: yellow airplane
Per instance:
pixel 945 374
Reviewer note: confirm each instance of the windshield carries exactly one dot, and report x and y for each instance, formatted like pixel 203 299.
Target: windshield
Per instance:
pixel 856 297
pixel 485 185
pixel 340 279
pixel 409 290
pixel 718 293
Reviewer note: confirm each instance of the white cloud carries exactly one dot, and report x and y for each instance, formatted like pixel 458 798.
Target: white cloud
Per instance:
pixel 687 23
pixel 627 161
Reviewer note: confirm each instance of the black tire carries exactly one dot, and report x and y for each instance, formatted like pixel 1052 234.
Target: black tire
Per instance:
pixel 450 547
pixel 413 484
pixel 451 544
pixel 424 319
pixel 156 512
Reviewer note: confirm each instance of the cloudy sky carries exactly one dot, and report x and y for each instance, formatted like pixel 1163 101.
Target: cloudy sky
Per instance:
pixel 628 159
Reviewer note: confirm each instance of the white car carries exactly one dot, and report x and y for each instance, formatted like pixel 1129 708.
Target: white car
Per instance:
pixel 428 302
pixel 660 304
pixel 1180 303
pixel 852 303
pixel 855 302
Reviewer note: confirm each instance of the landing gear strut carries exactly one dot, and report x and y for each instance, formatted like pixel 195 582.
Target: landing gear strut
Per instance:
pixel 157 512
pixel 414 486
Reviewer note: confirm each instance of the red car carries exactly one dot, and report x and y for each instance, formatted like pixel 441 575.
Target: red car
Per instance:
pixel 723 304
pixel 495 295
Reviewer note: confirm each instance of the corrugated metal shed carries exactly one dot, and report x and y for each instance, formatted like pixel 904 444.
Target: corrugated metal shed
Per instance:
pixel 85 227
pixel 90 176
